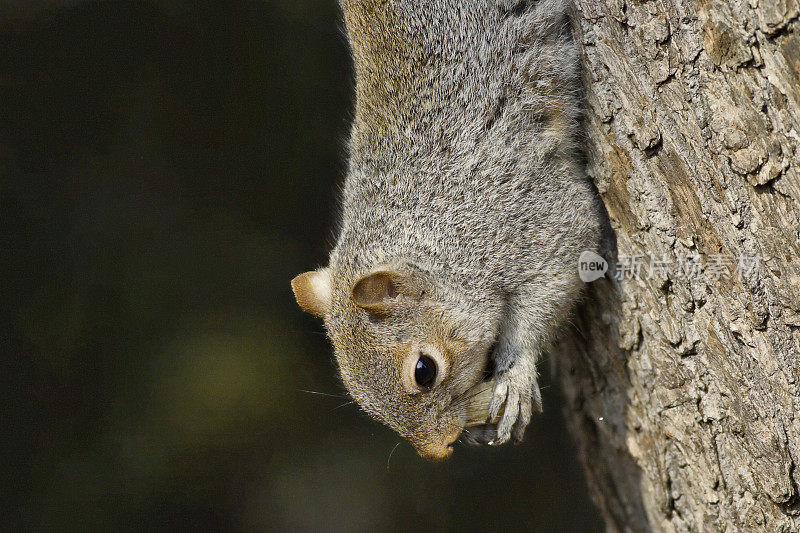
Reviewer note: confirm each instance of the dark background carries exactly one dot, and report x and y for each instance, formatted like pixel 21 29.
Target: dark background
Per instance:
pixel 166 167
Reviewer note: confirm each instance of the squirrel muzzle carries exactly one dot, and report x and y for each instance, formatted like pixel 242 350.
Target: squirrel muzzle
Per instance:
pixel 438 450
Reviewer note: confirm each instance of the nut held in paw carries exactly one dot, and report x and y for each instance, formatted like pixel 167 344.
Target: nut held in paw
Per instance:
pixel 478 407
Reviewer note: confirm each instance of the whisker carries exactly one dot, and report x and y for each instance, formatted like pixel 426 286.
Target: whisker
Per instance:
pixel 469 389
pixel 343 405
pixel 465 399
pixel 392 453
pixel 462 400
pixel 322 393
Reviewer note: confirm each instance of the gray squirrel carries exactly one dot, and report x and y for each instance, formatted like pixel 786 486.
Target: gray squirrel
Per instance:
pixel 465 208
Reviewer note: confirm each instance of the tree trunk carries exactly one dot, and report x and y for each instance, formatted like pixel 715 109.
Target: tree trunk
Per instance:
pixel 683 385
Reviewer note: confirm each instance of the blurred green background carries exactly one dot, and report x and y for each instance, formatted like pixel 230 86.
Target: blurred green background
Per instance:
pixel 166 167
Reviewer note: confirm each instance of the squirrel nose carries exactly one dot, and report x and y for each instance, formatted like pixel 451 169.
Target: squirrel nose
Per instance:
pixel 438 451
pixel 436 454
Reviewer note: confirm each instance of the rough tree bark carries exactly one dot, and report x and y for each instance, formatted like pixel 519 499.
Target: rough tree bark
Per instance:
pixel 683 389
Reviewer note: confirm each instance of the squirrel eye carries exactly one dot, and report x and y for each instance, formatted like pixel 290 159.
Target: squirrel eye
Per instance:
pixel 425 372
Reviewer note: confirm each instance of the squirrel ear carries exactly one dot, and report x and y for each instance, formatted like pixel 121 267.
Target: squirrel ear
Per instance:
pixel 312 290
pixel 373 291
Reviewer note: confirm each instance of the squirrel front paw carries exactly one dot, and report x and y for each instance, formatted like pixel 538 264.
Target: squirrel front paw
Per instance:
pixel 518 389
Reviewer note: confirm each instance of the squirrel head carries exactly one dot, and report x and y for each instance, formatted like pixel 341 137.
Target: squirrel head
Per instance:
pixel 408 356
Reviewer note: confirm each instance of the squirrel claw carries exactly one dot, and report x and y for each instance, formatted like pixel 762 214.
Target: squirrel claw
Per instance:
pixel 521 396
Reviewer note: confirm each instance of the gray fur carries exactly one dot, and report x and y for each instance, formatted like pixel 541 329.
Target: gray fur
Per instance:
pixel 465 178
